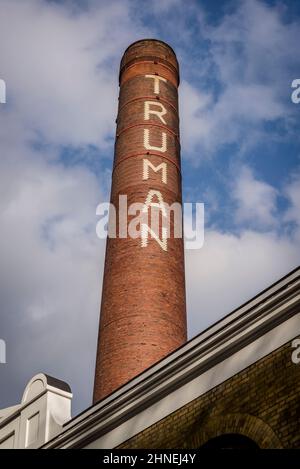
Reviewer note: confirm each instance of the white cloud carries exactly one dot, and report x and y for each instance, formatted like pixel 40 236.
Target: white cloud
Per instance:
pixel 58 67
pixel 194 109
pixel 251 44
pixel 292 192
pixel 230 269
pixel 160 6
pixel 252 53
pixel 51 264
pixel 255 199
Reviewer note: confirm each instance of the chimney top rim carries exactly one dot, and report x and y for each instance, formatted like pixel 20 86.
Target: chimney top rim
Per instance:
pixel 150 40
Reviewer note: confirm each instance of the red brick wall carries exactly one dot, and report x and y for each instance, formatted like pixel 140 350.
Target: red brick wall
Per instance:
pixel 261 402
pixel 143 315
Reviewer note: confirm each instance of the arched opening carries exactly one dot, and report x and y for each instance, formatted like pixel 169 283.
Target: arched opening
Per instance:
pixel 230 441
pixel 235 428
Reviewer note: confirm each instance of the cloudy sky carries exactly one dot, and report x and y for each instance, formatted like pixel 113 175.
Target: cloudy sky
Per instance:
pixel 240 154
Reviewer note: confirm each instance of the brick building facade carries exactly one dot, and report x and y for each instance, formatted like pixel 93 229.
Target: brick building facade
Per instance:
pixel 261 402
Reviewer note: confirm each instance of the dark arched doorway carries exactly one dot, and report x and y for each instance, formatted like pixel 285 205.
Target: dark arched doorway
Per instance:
pixel 230 441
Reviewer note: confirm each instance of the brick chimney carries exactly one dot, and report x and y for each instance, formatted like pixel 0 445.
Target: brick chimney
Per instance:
pixel 143 313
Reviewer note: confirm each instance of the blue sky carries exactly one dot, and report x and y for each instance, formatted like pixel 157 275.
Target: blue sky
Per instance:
pixel 240 156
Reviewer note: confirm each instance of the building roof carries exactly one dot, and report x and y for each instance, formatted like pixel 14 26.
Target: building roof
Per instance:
pixel 235 333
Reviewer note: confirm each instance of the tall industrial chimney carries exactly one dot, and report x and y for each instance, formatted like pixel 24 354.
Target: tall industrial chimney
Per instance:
pixel 143 313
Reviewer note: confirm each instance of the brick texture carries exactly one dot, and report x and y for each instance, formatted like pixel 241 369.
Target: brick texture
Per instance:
pixel 143 315
pixel 261 402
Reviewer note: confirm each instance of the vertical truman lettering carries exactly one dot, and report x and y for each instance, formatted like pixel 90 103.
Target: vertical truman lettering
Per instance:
pixel 157 79
pixel 160 112
pixel 143 296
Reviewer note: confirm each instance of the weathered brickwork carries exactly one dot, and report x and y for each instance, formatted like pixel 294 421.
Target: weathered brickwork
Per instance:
pixel 143 315
pixel 262 402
